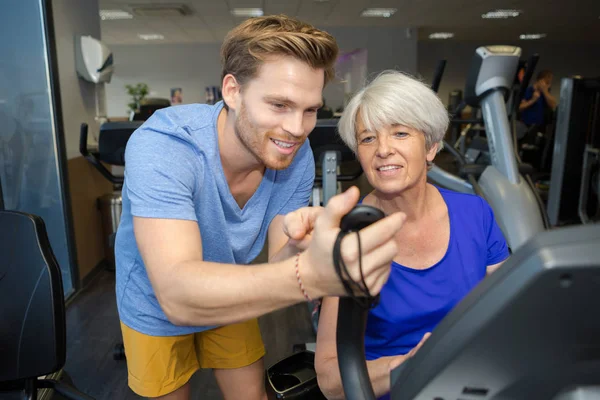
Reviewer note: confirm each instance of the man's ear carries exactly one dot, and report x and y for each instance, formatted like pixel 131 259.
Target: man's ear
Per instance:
pixel 231 91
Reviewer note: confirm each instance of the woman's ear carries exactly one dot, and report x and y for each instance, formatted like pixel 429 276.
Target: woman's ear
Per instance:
pixel 432 152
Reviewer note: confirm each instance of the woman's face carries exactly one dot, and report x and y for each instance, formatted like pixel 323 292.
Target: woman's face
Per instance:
pixel 394 158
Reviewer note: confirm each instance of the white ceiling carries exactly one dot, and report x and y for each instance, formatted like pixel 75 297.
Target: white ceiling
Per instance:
pixel 561 20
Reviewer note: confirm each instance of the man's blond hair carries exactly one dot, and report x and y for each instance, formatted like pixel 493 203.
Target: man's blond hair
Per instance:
pixel 249 44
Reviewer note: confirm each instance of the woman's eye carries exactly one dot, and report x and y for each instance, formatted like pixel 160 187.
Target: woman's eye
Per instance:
pixel 401 134
pixel 367 139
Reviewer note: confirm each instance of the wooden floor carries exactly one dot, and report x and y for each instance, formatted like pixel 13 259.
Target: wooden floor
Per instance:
pixel 93 330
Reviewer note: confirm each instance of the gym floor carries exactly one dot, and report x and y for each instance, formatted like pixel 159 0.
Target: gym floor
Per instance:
pixel 93 330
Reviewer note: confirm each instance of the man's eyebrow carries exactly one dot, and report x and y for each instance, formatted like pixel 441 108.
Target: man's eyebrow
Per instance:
pixel 287 100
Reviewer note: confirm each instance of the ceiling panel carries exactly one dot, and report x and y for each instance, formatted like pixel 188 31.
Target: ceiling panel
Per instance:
pixel 561 20
pixel 245 3
pixel 287 7
pixel 200 35
pixel 316 12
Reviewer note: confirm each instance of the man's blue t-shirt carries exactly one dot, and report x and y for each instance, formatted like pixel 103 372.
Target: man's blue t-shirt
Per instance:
pixel 534 114
pixel 413 302
pixel 173 170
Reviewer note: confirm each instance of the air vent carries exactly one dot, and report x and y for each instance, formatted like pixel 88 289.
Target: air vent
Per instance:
pixel 161 10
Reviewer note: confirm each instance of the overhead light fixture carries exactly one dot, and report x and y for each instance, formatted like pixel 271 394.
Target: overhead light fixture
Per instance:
pixel 441 35
pixel 532 36
pixel 378 12
pixel 151 36
pixel 501 14
pixel 114 14
pixel 247 12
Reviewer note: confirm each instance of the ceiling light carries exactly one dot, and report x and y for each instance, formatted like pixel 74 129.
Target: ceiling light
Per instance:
pixel 378 12
pixel 441 35
pixel 114 14
pixel 532 36
pixel 151 36
pixel 247 12
pixel 501 14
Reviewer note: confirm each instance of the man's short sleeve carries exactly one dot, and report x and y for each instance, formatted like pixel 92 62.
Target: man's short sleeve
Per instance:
pixel 161 173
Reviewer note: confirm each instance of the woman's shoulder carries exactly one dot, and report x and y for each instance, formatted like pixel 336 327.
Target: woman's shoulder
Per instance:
pixel 467 209
pixel 461 199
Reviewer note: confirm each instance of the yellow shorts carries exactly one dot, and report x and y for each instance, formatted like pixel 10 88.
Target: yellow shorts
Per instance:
pixel 158 365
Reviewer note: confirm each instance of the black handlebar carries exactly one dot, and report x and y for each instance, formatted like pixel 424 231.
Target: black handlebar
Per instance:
pixel 352 319
pixel 351 326
pixel 437 76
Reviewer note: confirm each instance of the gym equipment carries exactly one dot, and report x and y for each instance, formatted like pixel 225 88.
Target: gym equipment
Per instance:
pixel 294 377
pixel 518 209
pixel 33 310
pixel 528 331
pixel 573 196
pixel 147 108
pixel 352 318
pixel 112 141
pixel 335 162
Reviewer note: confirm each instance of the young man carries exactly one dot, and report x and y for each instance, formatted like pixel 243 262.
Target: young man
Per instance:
pixel 203 187
pixel 538 101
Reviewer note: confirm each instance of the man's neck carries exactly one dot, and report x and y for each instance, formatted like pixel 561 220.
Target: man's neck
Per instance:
pixel 236 160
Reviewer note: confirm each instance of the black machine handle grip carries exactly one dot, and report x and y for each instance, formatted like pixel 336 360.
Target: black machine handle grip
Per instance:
pixel 437 75
pixel 83 138
pixel 352 322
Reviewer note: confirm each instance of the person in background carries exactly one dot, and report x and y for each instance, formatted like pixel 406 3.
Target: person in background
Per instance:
pixel 538 104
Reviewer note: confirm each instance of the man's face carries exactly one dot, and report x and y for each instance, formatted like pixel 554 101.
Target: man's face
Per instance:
pixel 277 109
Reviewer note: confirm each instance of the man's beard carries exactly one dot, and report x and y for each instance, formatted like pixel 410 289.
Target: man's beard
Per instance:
pixel 257 143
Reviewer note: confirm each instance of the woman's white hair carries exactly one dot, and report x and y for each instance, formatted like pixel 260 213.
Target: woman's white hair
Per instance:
pixel 394 97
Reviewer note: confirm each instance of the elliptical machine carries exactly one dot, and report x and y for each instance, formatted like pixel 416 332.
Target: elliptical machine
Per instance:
pixel 518 209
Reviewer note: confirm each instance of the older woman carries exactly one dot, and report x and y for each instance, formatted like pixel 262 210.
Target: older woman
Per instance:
pixel 448 244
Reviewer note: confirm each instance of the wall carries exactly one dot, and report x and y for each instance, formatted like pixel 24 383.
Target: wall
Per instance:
pixel 71 18
pixel 388 48
pixel 564 59
pixel 162 66
pixel 195 66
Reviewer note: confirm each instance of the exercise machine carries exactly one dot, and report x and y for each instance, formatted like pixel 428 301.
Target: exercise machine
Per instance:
pixel 33 339
pixel 294 376
pixel 528 331
pixel 518 208
pixel 334 163
pixel 110 150
pixel 573 196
